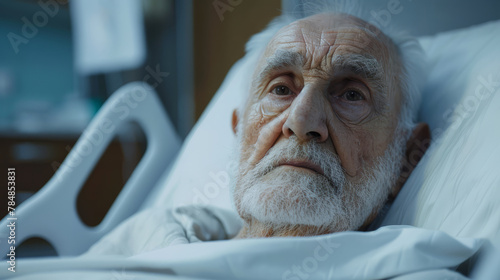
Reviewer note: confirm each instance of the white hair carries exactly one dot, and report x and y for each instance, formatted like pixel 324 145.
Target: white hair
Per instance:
pixel 409 50
pixel 316 201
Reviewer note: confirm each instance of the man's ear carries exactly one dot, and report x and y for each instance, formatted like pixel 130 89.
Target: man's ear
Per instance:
pixel 234 121
pixel 416 147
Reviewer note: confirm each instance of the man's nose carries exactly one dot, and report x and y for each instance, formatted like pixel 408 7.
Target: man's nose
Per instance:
pixel 307 118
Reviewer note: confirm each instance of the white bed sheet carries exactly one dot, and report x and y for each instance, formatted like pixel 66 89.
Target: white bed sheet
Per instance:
pixel 389 252
pixel 450 190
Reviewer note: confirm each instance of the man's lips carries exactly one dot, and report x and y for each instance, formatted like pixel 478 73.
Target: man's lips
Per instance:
pixel 307 165
pixel 303 164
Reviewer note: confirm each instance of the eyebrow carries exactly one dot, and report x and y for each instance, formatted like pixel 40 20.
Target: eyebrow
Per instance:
pixel 280 60
pixel 362 65
pixel 365 66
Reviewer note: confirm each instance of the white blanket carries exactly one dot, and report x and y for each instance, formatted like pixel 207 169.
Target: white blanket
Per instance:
pixel 392 252
pixel 158 228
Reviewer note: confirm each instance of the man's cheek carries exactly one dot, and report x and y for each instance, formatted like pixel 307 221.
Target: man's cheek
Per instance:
pixel 270 108
pixel 351 147
pixel 368 149
pixel 267 134
pixel 253 123
pixel 250 134
pixel 259 118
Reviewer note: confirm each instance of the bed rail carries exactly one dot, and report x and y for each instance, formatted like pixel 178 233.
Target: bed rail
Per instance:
pixel 51 213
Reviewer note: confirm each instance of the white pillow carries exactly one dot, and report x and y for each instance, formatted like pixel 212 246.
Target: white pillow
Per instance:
pixel 459 190
pixel 200 174
pixel 456 186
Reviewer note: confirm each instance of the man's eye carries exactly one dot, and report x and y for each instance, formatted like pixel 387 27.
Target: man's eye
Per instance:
pixel 282 90
pixel 352 95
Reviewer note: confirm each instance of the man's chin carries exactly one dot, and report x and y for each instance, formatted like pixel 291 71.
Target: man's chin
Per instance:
pixel 291 196
pixel 285 175
pixel 320 179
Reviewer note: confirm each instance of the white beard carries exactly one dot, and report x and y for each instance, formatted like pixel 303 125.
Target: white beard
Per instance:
pixel 285 197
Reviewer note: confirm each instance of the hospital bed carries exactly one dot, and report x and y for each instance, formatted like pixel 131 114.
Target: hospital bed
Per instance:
pixel 454 190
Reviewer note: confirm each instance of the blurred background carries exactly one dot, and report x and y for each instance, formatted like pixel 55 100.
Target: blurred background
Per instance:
pixel 61 59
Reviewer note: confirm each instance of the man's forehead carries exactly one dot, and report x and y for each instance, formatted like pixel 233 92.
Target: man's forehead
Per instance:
pixel 316 35
pixel 364 65
pixel 328 23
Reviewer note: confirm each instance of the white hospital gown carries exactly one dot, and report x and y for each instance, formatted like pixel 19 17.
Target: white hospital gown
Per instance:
pixel 158 228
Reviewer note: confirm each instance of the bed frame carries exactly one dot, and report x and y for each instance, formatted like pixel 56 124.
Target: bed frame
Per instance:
pixel 51 214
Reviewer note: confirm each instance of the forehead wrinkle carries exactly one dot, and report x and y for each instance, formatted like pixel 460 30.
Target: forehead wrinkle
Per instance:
pixel 357 39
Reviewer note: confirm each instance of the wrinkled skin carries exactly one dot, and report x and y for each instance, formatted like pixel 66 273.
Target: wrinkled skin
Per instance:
pixel 315 97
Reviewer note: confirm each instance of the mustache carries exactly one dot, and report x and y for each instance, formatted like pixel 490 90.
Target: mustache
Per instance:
pixel 312 151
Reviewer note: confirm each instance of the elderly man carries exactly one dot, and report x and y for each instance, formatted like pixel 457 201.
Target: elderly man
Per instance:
pixel 326 136
pixel 325 131
pixel 323 137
